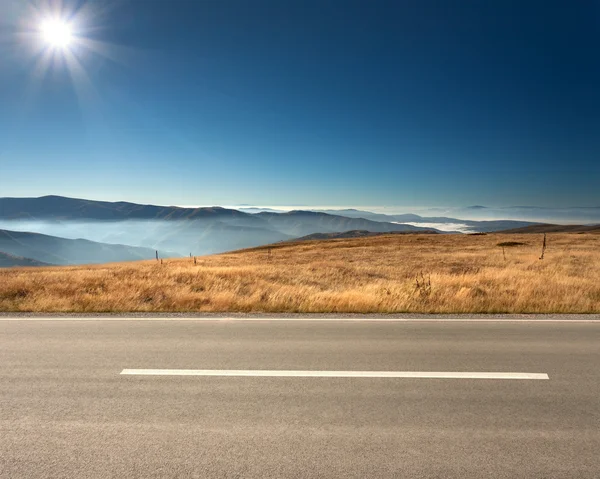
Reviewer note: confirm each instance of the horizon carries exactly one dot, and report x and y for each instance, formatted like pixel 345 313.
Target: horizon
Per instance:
pixel 307 103
pixel 292 207
pixel 453 215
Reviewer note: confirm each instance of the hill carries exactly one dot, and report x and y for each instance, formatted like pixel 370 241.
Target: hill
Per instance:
pixel 375 274
pixel 354 234
pixel 62 251
pixel 301 223
pixel 9 260
pixel 548 228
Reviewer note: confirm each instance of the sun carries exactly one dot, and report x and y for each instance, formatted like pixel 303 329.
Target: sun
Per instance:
pixel 57 33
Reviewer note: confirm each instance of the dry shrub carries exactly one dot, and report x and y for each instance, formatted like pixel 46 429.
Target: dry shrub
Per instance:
pixel 14 292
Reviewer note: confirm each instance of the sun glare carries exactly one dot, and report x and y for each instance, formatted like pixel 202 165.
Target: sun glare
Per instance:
pixel 57 33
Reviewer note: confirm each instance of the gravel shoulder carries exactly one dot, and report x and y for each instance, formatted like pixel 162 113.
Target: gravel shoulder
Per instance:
pixel 304 316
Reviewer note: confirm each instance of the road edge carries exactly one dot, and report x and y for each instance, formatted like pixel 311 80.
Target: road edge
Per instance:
pixel 304 316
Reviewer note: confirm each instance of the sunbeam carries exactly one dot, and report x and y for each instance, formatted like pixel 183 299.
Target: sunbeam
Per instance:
pixel 54 37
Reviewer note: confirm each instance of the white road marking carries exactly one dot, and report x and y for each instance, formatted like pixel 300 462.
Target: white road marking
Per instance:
pixel 332 374
pixel 351 319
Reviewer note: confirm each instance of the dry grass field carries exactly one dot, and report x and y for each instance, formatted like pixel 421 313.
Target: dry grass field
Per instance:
pixel 384 274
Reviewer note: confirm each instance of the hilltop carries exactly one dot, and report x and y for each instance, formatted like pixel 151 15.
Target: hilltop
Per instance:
pixel 355 234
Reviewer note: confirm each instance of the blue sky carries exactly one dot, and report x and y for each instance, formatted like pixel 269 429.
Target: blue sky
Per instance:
pixel 412 103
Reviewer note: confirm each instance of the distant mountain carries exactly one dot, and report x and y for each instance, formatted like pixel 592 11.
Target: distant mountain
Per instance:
pixel 209 230
pixel 369 215
pixel 9 260
pixel 253 210
pixel 472 215
pixel 211 237
pixel 302 223
pixel 62 251
pixel 61 208
pixel 549 228
pixel 570 215
pixel 184 230
pixel 57 208
pixel 443 223
pixel 475 213
pixel 357 234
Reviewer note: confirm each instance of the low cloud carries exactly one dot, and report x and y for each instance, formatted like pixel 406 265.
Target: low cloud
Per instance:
pixel 461 227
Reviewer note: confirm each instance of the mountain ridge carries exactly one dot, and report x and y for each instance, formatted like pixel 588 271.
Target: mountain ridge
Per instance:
pixel 551 228
pixel 8 260
pixel 62 207
pixel 64 251
pixel 199 231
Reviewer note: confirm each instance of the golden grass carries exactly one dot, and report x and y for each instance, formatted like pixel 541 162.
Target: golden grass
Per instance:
pixel 468 274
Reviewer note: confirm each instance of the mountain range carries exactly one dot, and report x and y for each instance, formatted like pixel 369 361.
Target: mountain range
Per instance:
pixel 444 223
pixel 547 228
pixel 183 231
pixel 59 230
pixel 9 260
pixel 470 215
pixel 353 234
pixel 567 215
pixel 34 249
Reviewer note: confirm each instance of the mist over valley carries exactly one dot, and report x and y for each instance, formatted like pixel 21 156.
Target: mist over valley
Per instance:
pixel 71 231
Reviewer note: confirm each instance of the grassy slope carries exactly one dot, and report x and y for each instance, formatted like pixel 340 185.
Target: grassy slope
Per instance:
pixel 376 274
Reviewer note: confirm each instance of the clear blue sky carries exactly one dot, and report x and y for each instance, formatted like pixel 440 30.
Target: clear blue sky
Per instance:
pixel 432 103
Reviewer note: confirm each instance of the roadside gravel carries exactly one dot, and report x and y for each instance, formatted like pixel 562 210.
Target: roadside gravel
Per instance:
pixel 225 315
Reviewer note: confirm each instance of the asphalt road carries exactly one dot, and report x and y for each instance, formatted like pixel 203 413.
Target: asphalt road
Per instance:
pixel 67 411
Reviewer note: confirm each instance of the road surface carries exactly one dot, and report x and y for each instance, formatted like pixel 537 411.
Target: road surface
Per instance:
pixel 299 398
